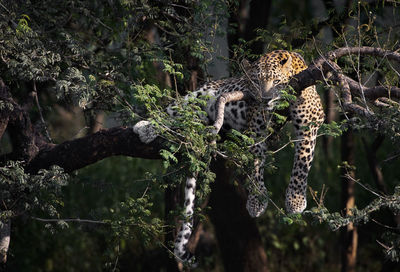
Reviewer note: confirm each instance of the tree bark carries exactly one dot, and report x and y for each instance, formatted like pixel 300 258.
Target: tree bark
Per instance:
pixel 349 234
pixel 237 233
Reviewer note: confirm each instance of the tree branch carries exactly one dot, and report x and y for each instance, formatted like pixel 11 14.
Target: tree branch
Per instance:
pixel 324 68
pixel 75 154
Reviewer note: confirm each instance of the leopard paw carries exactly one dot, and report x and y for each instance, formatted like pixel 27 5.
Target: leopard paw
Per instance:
pixel 256 206
pixel 146 131
pixel 295 202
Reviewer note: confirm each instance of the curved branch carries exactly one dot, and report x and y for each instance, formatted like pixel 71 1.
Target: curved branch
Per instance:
pixel 75 154
pixel 363 50
pixel 325 68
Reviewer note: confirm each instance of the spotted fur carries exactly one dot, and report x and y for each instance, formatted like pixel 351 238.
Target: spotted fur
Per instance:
pixel 261 79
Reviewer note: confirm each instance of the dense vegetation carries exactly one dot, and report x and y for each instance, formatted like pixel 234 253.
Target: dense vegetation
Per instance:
pixel 82 193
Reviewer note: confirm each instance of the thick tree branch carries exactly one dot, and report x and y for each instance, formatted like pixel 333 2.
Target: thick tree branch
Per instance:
pixel 78 153
pixel 31 147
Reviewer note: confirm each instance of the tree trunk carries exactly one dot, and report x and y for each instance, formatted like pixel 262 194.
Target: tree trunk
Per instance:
pixel 249 16
pixel 172 202
pixel 373 163
pixel 237 233
pixel 349 234
pixel 97 121
pixel 258 18
pixel 330 115
pixel 4 240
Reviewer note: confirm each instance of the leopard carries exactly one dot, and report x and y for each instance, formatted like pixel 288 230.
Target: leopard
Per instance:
pixel 264 80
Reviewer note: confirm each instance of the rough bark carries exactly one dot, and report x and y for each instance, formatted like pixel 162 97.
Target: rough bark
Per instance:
pixel 349 234
pixel 237 233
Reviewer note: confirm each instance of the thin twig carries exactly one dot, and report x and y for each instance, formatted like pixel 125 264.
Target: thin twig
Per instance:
pixel 35 94
pixel 78 220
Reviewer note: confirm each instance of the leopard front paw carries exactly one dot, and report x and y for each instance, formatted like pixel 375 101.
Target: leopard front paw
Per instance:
pixel 145 131
pixel 295 202
pixel 255 206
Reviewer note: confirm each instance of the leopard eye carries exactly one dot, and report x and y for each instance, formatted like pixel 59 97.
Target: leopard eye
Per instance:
pixel 276 81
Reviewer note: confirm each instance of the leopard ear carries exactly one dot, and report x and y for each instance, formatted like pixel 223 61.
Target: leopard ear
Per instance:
pixel 245 64
pixel 286 63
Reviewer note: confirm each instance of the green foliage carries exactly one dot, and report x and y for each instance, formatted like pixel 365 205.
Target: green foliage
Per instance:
pixel 24 56
pixel 26 194
pixel 187 134
pixel 293 219
pixel 333 129
pixel 135 216
pixel 357 216
pixel 75 86
pixel 236 147
pixel 23 26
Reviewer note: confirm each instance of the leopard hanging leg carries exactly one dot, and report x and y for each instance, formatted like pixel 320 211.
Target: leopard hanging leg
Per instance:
pixel 307 116
pixel 257 200
pixel 181 252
